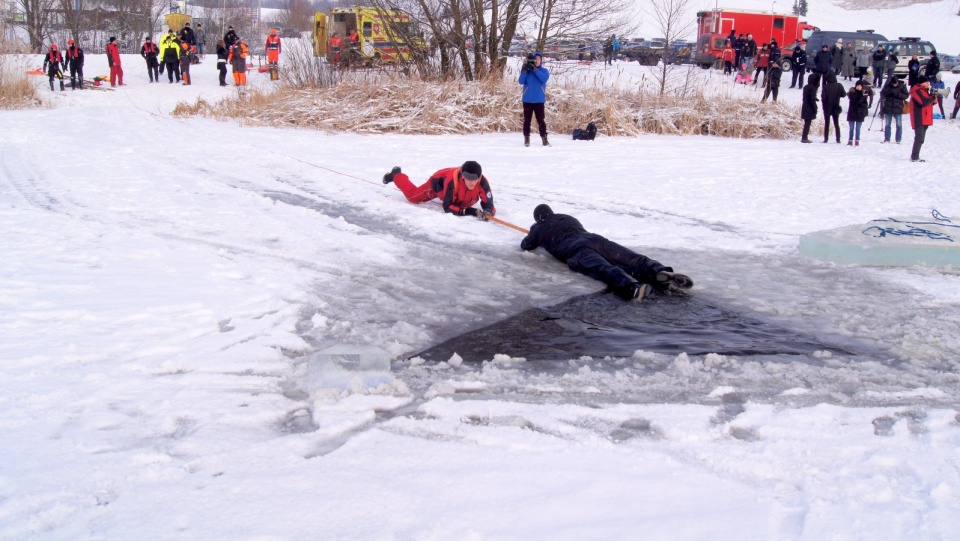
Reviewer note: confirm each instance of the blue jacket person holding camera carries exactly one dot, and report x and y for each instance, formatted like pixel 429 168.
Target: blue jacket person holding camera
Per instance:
pixel 533 77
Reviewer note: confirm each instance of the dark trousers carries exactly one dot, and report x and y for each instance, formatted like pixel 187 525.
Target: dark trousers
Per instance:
pixel 826 126
pixel 806 129
pixel 617 266
pixel 173 70
pixel 153 70
pixel 770 89
pixel 530 109
pixel 919 134
pixel 797 80
pixel 223 73
pixel 956 108
pixel 76 76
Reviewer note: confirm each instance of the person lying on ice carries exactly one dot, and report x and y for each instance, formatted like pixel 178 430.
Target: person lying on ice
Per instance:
pixel 459 188
pixel 628 274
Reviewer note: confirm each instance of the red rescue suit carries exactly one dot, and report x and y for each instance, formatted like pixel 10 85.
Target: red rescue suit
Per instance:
pixel 448 185
pixel 273 48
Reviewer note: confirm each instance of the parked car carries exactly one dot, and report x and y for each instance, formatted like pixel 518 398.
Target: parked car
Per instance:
pixel 955 69
pixel 861 39
pixel 948 61
pixel 905 49
pixel 290 33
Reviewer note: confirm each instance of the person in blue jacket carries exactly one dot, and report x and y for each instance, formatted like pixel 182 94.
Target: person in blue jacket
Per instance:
pixel 533 77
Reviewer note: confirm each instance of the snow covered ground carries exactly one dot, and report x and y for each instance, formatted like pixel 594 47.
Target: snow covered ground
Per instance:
pixel 165 280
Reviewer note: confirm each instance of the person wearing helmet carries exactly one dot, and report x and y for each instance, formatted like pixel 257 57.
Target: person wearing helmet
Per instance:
pixel 52 64
pixel 458 188
pixel 631 276
pixel 74 60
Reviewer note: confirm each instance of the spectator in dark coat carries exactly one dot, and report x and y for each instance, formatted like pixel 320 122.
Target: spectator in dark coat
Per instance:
pixel 799 60
pixel 808 110
pixel 772 83
pixel 822 62
pixel 748 52
pixel 921 115
pixel 892 98
pixel 229 38
pixel 892 62
pixel 222 61
pixel 956 106
pixel 775 52
pixel 187 36
pixel 836 53
pixel 74 59
pixel 858 107
pixel 628 274
pixel 879 57
pixel 913 70
pixel 933 66
pixel 830 96
pixel 738 48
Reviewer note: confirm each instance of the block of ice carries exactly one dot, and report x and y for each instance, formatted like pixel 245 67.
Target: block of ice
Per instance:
pixel 894 242
pixel 343 364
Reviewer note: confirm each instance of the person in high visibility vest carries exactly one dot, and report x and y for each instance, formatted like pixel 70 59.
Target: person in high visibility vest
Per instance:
pixel 238 59
pixel 336 45
pixel 273 47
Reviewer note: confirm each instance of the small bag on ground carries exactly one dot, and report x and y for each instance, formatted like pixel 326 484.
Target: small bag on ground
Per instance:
pixel 587 134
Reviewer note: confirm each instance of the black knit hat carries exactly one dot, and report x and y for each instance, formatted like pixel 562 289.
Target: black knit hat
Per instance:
pixel 471 170
pixel 542 212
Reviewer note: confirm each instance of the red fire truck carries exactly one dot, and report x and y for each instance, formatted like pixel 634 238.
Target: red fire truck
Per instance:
pixel 715 25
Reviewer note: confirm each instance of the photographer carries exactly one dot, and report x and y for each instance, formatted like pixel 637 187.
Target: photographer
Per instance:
pixel 858 107
pixel 533 77
pixel 921 115
pixel 892 97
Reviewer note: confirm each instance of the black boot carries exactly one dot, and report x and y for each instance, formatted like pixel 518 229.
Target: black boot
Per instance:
pixel 545 142
pixel 388 178
pixel 62 87
pixel 526 140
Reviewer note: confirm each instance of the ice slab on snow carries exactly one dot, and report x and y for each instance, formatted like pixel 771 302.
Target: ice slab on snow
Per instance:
pixel 342 365
pixel 894 242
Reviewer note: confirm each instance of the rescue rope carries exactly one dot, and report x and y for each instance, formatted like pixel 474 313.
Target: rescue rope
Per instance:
pixel 912 229
pixel 334 171
pixel 508 224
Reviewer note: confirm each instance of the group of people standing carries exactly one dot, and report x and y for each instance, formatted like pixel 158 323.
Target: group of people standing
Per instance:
pixel 175 53
pixel 742 52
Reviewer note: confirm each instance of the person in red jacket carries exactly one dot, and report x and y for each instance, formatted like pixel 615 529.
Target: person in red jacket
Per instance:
pixel 459 188
pixel 336 46
pixel 762 62
pixel 921 114
pixel 113 60
pixel 728 55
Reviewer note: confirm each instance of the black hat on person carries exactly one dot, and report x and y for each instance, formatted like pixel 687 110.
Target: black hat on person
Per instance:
pixel 471 170
pixel 922 79
pixel 113 38
pixel 542 212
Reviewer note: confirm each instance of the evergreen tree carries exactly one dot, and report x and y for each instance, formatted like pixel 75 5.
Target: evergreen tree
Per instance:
pixel 802 8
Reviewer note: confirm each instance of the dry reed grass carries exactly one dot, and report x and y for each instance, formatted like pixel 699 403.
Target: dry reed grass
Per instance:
pixel 17 89
pixel 380 102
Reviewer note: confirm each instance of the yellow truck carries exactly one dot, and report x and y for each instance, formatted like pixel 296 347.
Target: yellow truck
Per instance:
pixel 384 36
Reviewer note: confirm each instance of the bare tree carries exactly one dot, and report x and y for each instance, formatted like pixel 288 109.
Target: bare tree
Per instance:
pixel 572 20
pixel 295 14
pixel 674 20
pixel 37 16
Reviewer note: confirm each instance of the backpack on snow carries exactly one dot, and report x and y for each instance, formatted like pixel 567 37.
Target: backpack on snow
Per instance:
pixel 588 134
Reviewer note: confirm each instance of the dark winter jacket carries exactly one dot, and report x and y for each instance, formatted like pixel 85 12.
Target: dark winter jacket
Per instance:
pixel 186 34
pixel 858 104
pixel 52 62
pixel 879 60
pixel 892 62
pixel 799 59
pixel 774 76
pixel 534 83
pixel 151 53
pixel 229 39
pixel 893 96
pixel 831 95
pixel 775 53
pixel 75 57
pixel 836 63
pixel 808 111
pixel 933 67
pixel 822 62
pixel 913 71
pixel 921 107
pixel 749 49
pixel 221 56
